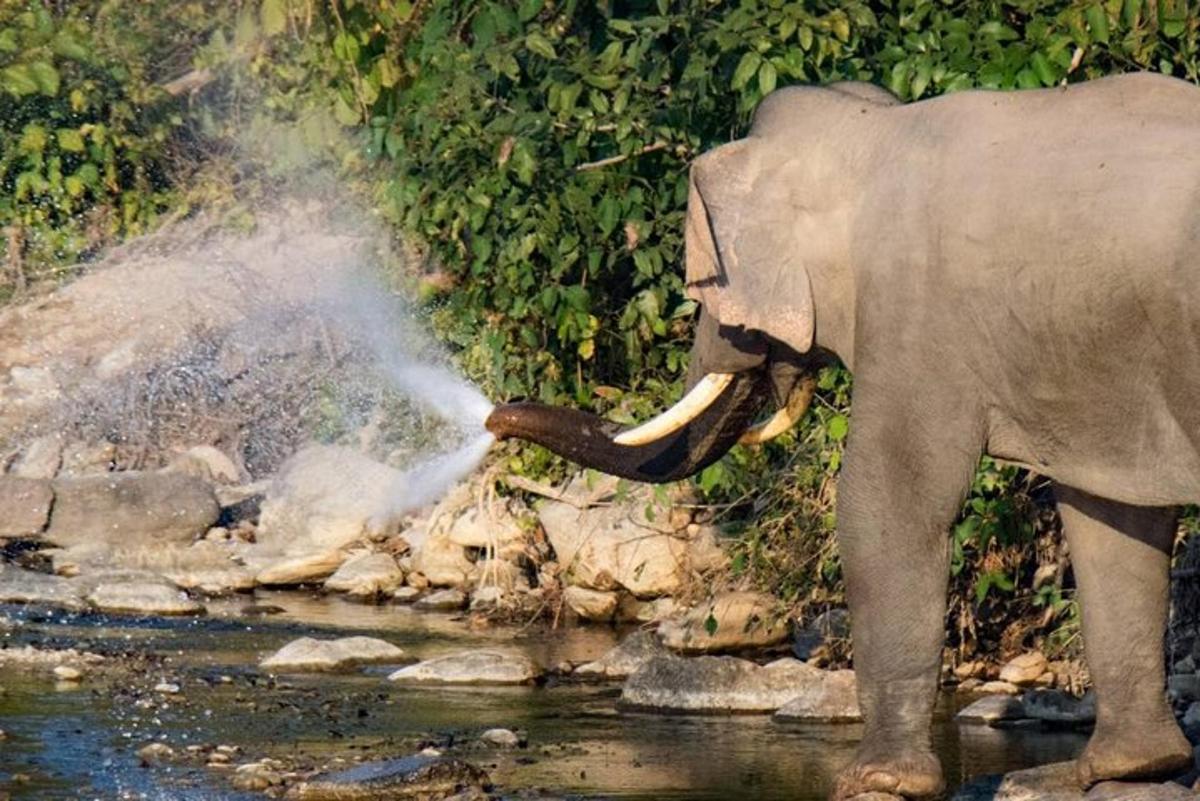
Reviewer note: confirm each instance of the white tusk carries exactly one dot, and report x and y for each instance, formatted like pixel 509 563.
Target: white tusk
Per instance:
pixel 691 406
pixel 783 419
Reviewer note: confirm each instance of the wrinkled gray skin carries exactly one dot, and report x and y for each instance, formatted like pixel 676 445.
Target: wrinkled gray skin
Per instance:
pixel 1015 274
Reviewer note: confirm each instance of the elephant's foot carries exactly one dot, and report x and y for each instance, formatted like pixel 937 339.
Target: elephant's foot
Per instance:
pixel 896 770
pixel 1133 753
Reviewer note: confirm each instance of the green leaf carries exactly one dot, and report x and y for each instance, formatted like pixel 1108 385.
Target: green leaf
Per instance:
pixel 529 9
pixel 18 80
pixel 70 139
pixel 536 42
pixel 710 624
pixel 1043 69
pixel 745 69
pixel 272 16
pixel 838 427
pixel 344 113
pixel 1097 20
pixel 767 77
pixel 46 76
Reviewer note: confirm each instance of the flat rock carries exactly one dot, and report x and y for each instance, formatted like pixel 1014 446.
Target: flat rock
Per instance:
pixel 625 659
pixel 406 595
pixel 414 778
pixel 1140 791
pixel 131 508
pixel 998 688
pixel 728 622
pixel 486 666
pixel 309 654
pixel 24 506
pixel 141 595
pixel 449 600
pixel 833 700
pixel 277 571
pixel 367 575
pixel 992 709
pixel 717 684
pixel 40 459
pixel 21 586
pixel 1057 708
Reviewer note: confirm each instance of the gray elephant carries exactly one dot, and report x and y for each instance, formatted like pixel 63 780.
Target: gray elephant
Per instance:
pixel 1016 274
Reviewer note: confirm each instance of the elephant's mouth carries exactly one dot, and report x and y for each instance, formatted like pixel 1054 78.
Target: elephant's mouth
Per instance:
pixel 682 441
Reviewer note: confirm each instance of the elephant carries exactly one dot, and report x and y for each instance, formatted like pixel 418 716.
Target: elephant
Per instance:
pixel 1006 273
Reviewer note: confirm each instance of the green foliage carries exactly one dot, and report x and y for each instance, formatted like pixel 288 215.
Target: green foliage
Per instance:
pixel 85 131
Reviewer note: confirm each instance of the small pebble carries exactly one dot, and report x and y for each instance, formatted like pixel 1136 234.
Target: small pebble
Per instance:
pixel 166 687
pixel 155 752
pixel 67 673
pixel 501 738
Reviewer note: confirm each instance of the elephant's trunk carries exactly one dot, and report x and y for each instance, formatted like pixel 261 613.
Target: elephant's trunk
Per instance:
pixel 588 440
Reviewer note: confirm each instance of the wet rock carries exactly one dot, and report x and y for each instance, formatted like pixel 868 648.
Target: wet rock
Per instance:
pixel 367 575
pixel 717 684
pixel 992 709
pixel 24 506
pixel 488 666
pixel 207 463
pixel 998 688
pixel 414 778
pixel 167 688
pixel 1185 687
pixel 155 753
pixel 730 621
pixel 27 587
pixel 309 654
pixel 40 459
pixel 256 776
pixel 442 601
pixel 625 659
pixel 131 509
pixel 1139 791
pixel 1057 708
pixel 833 700
pixel 40 659
pixel 501 738
pixel 1025 670
pixel 497 530
pixel 326 497
pixel 1056 782
pixel 67 673
pixel 273 571
pixel 140 594
pixel 406 595
pixel 591 604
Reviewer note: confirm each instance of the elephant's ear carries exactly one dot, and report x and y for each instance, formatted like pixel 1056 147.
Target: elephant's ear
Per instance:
pixel 744 260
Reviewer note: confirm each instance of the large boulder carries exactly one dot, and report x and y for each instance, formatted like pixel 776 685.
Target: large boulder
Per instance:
pixel 442 562
pixel 727 622
pixel 130 509
pixel 25 505
pixel 327 497
pixel 718 684
pixel 633 543
pixel 1057 782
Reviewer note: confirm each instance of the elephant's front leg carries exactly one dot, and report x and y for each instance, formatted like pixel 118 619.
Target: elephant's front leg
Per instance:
pixel 1121 558
pixel 905 476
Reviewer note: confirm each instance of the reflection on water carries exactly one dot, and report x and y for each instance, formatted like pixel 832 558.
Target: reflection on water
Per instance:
pixel 82 743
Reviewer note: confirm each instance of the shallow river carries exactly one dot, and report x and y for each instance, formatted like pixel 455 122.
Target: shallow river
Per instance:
pixel 80 741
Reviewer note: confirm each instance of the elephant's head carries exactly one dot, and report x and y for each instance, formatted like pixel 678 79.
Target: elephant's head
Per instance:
pixel 746 231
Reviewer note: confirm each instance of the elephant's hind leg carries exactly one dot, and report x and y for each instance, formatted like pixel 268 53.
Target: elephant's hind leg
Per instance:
pixel 1121 558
